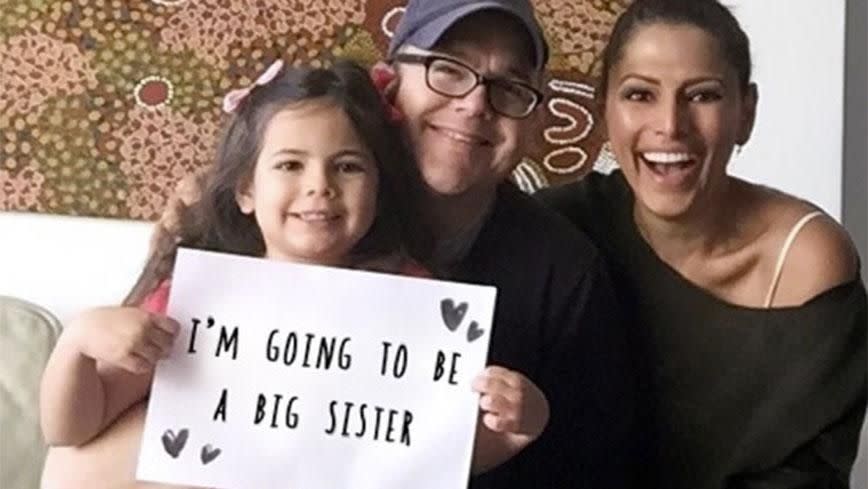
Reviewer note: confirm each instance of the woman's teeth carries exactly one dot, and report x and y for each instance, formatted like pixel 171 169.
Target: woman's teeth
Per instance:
pixel 668 165
pixel 666 158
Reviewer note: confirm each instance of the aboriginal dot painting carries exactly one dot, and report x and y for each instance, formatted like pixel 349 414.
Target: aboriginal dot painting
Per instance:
pixel 106 104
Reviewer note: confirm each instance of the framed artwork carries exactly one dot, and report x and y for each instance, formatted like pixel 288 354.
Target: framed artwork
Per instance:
pixel 106 104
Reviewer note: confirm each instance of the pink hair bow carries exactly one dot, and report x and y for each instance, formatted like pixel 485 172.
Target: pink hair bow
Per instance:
pixel 234 98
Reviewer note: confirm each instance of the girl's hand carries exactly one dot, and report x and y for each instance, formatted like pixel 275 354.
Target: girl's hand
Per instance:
pixel 514 412
pixel 125 337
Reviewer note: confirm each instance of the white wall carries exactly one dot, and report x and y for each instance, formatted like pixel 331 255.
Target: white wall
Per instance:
pixel 66 264
pixel 798 51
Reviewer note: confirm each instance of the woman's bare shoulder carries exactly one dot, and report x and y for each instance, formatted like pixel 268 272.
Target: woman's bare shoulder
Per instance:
pixel 821 255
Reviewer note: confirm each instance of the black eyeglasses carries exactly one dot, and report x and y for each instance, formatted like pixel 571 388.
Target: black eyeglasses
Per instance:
pixel 452 78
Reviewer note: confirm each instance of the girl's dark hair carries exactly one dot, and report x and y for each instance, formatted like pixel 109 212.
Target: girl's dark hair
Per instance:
pixel 216 223
pixel 708 15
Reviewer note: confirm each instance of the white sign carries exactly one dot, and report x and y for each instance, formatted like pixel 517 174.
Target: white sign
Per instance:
pixel 307 377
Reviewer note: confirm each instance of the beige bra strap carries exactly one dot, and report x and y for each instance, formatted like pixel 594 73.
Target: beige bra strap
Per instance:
pixel 779 267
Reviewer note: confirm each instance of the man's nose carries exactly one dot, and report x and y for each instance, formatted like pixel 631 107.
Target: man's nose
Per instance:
pixel 475 103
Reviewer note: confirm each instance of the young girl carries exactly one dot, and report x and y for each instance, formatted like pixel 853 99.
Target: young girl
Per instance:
pixel 309 170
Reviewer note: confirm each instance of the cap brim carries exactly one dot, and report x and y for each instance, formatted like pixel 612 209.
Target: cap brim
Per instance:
pixel 428 35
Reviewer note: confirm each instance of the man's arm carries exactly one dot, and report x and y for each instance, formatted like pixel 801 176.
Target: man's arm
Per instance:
pixel 589 375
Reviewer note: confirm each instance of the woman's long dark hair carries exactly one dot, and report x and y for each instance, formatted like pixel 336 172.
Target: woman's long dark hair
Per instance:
pixel 216 223
pixel 708 15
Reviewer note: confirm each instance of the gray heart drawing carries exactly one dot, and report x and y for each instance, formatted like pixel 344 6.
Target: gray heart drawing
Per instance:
pixel 208 454
pixel 474 332
pixel 174 443
pixel 452 315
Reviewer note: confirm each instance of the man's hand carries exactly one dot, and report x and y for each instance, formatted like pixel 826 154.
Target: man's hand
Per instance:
pixel 187 193
pixel 514 412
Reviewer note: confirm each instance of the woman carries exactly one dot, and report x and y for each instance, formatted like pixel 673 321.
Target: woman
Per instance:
pixel 748 300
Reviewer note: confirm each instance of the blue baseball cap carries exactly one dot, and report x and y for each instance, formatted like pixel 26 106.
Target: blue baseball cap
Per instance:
pixel 425 21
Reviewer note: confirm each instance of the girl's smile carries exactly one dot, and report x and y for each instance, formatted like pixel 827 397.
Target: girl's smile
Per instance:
pixel 314 188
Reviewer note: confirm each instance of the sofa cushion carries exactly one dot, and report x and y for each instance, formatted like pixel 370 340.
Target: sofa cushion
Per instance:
pixel 27 335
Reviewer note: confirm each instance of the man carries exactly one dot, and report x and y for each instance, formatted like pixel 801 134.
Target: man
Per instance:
pixel 468 74
pixel 467 82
